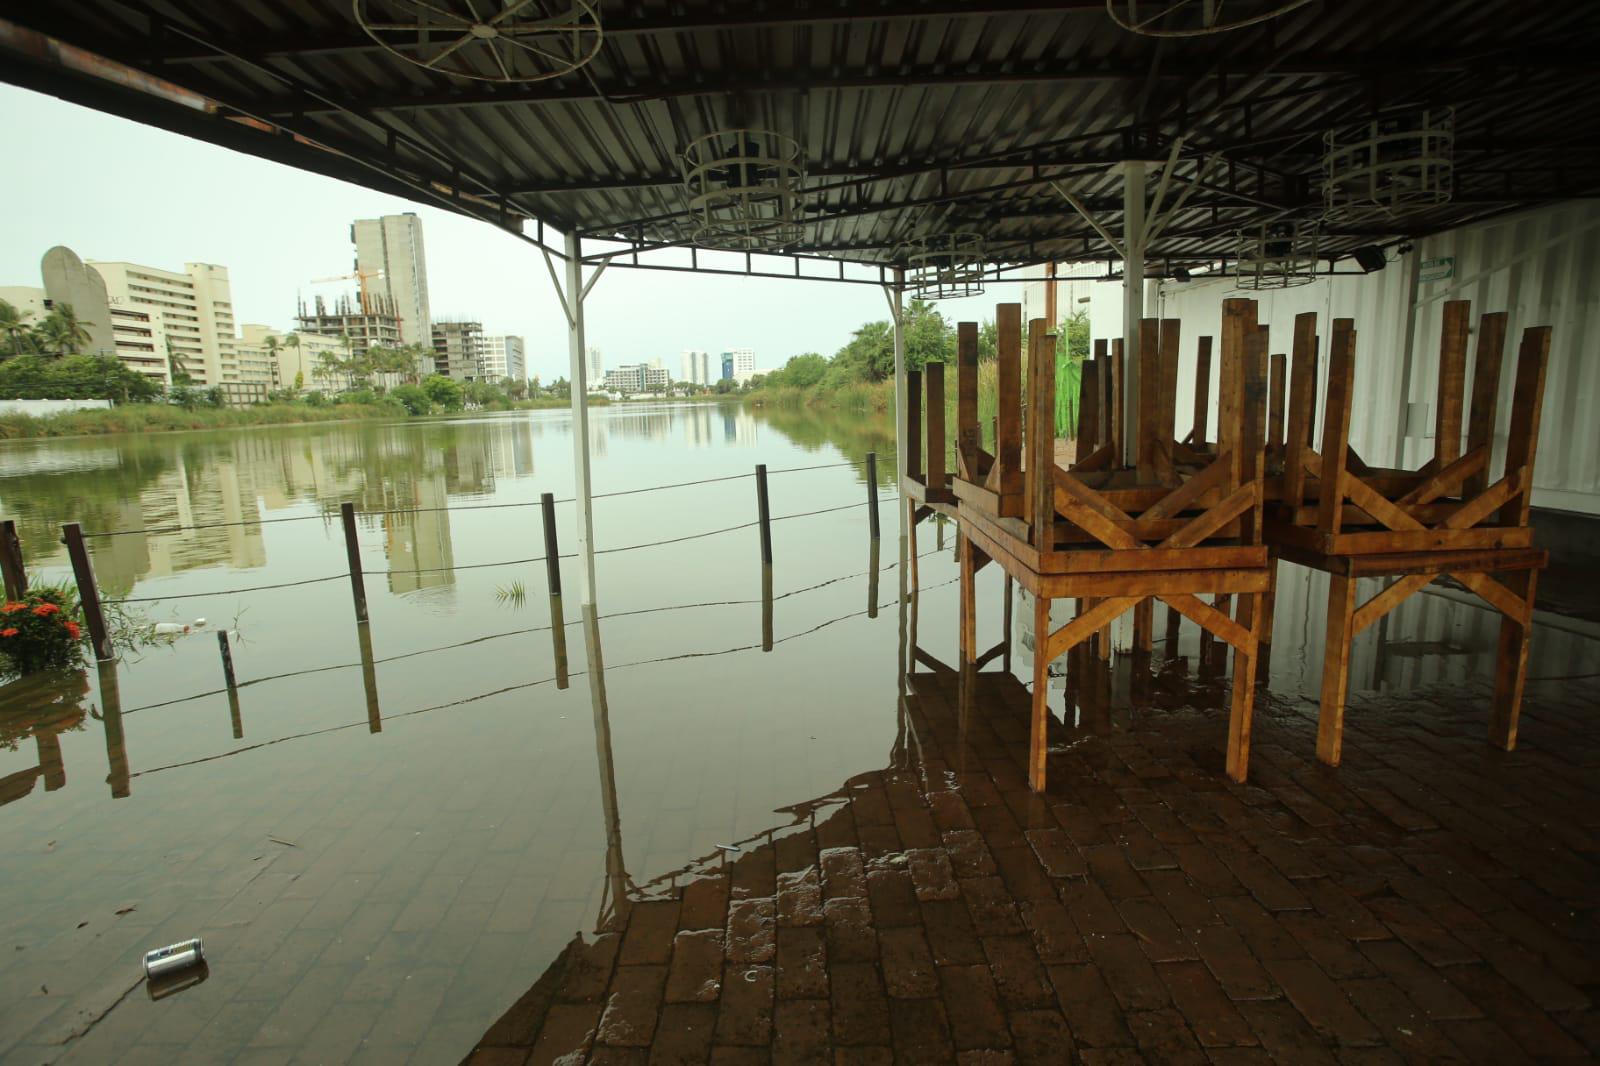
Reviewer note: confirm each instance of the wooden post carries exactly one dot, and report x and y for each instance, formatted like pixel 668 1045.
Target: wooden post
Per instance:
pixel 1167 415
pixel 1117 377
pixel 1301 414
pixel 552 572
pixel 16 573
pixel 914 425
pixel 1452 382
pixel 1005 624
pixel 766 606
pixel 1279 370
pixel 872 495
pixel 1038 742
pixel 1008 444
pixel 872 580
pixel 1527 407
pixel 1242 700
pixel 227 660
pixel 934 374
pixel 1088 409
pixel 552 545
pixel 1202 393
pixel 234 713
pixel 88 593
pixel 969 437
pixel 1336 426
pixel 352 551
pixel 1042 434
pixel 967 626
pixel 1485 395
pixel 369 678
pixel 1147 438
pixel 1335 657
pixel 763 514
pixel 1511 664
pixel 117 775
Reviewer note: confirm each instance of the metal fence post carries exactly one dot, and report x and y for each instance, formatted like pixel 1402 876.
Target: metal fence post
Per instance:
pixel 88 594
pixel 872 493
pixel 234 712
pixel 764 514
pixel 352 551
pixel 16 574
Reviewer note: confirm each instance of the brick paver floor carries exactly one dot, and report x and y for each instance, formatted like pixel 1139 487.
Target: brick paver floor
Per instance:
pixel 1432 900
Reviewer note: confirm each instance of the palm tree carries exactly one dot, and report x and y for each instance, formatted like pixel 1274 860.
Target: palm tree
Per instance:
pixel 328 364
pixel 63 331
pixel 14 326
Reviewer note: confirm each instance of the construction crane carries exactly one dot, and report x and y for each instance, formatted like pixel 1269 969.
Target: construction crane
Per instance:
pixel 361 277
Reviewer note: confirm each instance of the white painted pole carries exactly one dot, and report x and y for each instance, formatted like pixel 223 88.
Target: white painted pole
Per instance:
pixel 897 312
pixel 578 376
pixel 1133 243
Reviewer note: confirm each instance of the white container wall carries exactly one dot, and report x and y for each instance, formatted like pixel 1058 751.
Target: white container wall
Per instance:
pixel 1542 266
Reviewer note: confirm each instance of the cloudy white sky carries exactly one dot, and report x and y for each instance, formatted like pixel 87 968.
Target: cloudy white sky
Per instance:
pixel 109 188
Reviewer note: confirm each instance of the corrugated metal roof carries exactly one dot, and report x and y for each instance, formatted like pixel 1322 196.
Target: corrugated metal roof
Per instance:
pixel 914 117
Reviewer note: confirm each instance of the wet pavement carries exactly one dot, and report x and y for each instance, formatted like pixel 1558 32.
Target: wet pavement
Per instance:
pixel 1432 900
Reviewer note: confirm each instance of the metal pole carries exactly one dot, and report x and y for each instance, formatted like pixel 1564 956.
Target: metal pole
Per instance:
pixel 234 711
pixel 16 574
pixel 352 552
pixel 579 377
pixel 88 594
pixel 1133 242
pixel 763 514
pixel 872 494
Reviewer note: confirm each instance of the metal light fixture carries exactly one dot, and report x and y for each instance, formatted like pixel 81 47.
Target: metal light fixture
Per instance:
pixel 1194 18
pixel 745 189
pixel 522 42
pixel 1279 254
pixel 946 266
pixel 1393 164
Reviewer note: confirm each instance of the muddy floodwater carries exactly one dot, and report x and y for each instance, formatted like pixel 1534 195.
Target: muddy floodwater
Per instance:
pixel 387 833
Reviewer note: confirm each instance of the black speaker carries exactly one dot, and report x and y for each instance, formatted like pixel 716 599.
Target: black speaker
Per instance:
pixel 1369 258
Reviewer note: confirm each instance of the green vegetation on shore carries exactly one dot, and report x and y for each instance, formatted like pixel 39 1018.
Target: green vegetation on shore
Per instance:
pixel 860 376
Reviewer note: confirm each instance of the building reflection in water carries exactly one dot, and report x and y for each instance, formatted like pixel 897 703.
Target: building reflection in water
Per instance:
pixel 228 486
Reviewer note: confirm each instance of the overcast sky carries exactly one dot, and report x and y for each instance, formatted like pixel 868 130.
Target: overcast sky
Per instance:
pixel 109 188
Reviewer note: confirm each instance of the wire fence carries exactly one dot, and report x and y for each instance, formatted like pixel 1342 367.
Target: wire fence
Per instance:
pixel 870 502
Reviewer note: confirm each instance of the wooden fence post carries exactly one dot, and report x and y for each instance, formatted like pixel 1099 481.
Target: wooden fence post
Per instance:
pixel 234 712
pixel 88 594
pixel 872 493
pixel 552 570
pixel 16 574
pixel 764 514
pixel 352 550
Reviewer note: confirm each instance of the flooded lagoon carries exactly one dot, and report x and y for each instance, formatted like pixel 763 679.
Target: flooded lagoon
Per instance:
pixel 388 840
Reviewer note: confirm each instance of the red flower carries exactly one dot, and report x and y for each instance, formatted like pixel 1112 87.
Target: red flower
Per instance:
pixel 13 608
pixel 45 610
pixel 72 628
pixel 11 632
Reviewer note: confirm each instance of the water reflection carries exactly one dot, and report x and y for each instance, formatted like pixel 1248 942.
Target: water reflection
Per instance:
pixel 40 709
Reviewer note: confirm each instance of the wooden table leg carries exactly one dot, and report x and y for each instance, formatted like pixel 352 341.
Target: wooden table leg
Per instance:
pixel 1336 667
pixel 1038 745
pixel 1511 669
pixel 1269 599
pixel 911 539
pixel 1144 624
pixel 1102 639
pixel 969 607
pixel 1241 709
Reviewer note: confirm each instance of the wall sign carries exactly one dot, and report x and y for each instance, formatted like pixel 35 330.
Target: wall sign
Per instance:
pixel 1437 269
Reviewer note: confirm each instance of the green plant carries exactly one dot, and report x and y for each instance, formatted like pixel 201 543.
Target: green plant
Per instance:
pixel 41 631
pixel 513 595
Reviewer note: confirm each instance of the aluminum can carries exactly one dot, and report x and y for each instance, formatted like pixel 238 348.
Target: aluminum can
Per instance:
pixel 173 957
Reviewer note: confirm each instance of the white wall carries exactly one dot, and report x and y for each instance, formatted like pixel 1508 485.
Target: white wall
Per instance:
pixel 1541 266
pixel 45 408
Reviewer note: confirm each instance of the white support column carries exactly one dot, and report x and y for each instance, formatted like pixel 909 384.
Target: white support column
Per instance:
pixel 896 294
pixel 1133 243
pixel 578 377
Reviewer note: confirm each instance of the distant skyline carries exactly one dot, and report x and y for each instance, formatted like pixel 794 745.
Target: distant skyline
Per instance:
pixel 110 188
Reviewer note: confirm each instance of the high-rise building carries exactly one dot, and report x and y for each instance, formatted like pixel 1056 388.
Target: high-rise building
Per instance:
pixel 742 362
pixel 194 310
pixel 369 321
pixel 595 367
pixel 390 260
pixel 458 350
pixel 638 377
pixel 504 357
pixel 697 368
